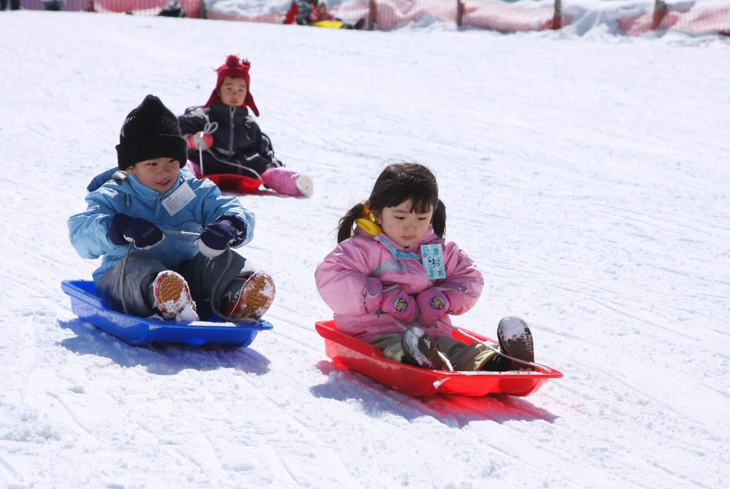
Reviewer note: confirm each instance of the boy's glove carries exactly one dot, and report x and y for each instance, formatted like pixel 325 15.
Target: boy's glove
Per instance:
pixel 432 305
pixel 141 232
pixel 200 140
pixel 220 234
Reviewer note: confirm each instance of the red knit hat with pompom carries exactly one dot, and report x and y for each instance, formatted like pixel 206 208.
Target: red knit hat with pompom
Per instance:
pixel 234 67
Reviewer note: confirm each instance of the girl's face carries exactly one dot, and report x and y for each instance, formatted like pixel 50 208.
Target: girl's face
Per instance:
pixel 158 174
pixel 233 91
pixel 403 225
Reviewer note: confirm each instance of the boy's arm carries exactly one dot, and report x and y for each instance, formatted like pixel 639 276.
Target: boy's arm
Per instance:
pixel 89 230
pixel 192 121
pixel 216 205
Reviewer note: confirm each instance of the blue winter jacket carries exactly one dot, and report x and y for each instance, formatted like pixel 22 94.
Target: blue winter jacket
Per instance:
pixel 89 230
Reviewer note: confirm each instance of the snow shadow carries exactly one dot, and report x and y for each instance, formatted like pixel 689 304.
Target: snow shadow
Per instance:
pixel 452 410
pixel 161 360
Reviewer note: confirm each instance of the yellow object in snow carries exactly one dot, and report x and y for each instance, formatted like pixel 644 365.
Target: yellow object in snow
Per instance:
pixel 329 24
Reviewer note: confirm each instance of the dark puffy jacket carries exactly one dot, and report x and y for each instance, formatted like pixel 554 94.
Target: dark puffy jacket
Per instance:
pixel 305 8
pixel 238 143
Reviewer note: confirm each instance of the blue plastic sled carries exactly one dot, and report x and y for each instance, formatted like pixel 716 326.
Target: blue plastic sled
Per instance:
pixel 142 331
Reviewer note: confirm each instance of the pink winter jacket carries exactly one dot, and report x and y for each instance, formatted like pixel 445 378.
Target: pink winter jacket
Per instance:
pixel 342 276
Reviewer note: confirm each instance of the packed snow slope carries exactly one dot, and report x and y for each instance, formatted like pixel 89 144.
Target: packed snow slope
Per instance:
pixel 588 177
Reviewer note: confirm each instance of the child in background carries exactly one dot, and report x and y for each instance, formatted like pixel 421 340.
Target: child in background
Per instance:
pixel 396 282
pixel 229 138
pixel 313 11
pixel 319 12
pixel 143 223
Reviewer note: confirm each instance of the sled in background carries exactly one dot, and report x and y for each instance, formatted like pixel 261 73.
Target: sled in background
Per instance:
pixel 139 331
pixel 348 352
pixel 329 24
pixel 291 16
pixel 229 182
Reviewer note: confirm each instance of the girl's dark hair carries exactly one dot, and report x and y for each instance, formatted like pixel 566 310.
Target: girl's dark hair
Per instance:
pixel 396 184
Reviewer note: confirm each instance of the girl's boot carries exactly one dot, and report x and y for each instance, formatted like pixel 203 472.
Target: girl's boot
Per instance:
pixel 420 350
pixel 515 340
pixel 288 182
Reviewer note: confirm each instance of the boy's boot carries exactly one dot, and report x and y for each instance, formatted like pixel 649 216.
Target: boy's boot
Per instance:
pixel 248 297
pixel 288 182
pixel 515 340
pixel 171 296
pixel 419 349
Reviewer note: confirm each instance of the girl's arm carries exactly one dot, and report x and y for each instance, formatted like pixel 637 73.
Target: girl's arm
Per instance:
pixel 341 278
pixel 464 282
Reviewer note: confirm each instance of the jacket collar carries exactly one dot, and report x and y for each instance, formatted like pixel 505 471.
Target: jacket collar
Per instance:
pixel 222 110
pixel 398 252
pixel 146 193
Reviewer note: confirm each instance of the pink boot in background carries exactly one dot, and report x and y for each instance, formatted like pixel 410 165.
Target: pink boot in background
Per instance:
pixel 288 182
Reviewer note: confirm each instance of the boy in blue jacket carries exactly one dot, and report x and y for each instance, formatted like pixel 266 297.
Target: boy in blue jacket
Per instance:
pixel 145 220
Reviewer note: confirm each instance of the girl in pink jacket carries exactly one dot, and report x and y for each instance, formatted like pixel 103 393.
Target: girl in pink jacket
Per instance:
pixel 396 281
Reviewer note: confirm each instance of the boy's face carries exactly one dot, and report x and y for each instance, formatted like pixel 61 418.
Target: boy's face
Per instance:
pixel 233 91
pixel 158 174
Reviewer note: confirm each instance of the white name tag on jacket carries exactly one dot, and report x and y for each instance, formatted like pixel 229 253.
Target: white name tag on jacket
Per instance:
pixel 178 199
pixel 432 257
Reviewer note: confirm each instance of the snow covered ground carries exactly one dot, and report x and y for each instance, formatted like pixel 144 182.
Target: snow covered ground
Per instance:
pixel 588 177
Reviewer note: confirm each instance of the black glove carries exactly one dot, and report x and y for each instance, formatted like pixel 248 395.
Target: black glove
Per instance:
pixel 220 234
pixel 141 232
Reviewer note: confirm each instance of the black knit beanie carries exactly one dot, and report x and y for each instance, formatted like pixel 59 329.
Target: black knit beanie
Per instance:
pixel 150 131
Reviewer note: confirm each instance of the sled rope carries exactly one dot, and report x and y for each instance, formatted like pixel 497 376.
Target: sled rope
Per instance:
pixel 216 286
pixel 182 233
pixel 129 251
pixel 238 167
pixel 495 350
pixel 210 128
pixel 124 273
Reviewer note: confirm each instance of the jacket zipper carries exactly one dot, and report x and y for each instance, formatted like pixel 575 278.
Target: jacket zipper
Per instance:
pixel 230 138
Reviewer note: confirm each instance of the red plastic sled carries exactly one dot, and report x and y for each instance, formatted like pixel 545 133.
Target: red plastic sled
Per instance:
pixel 366 359
pixel 230 182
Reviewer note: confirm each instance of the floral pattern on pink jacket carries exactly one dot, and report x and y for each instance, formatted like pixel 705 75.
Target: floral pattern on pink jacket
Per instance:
pixel 342 276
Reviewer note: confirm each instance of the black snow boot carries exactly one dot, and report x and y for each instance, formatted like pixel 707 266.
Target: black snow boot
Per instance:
pixel 515 340
pixel 420 350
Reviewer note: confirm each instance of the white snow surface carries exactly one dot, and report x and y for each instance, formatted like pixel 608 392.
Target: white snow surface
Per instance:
pixel 588 177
